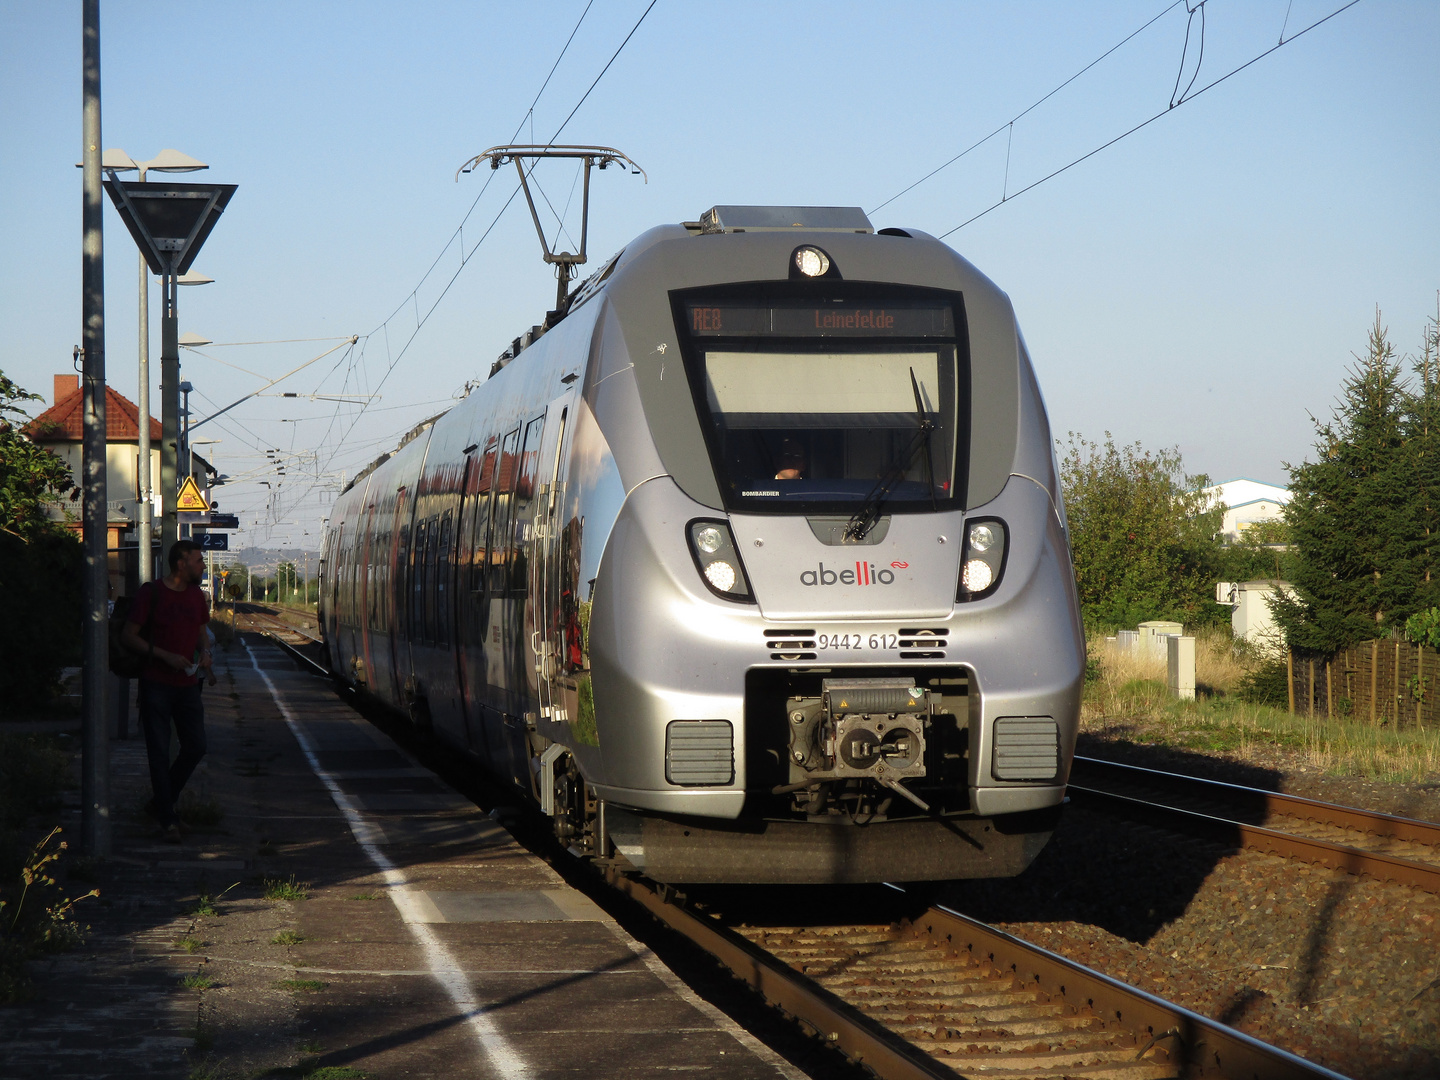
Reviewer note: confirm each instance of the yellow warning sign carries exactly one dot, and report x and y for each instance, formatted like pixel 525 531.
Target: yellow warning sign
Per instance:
pixel 190 497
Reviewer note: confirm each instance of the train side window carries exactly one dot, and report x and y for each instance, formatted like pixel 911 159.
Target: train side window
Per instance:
pixel 500 517
pixel 444 569
pixel 417 584
pixel 400 622
pixel 524 496
pixel 480 537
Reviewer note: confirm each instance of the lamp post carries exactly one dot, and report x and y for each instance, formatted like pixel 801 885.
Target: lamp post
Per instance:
pixel 169 222
pixel 167 161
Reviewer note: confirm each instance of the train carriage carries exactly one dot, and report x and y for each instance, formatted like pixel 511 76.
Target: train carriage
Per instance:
pixel 749 564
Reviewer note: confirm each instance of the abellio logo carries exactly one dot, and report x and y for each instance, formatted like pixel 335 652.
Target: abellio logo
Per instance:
pixel 863 573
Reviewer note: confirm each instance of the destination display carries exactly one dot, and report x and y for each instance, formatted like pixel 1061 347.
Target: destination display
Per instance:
pixel 827 320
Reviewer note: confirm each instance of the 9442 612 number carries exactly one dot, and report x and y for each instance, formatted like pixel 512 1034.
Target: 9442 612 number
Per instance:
pixel 842 642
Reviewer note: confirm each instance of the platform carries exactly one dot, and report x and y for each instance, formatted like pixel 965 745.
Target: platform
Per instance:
pixel 429 943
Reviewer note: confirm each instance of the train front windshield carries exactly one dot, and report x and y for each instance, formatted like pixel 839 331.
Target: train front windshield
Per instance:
pixel 813 403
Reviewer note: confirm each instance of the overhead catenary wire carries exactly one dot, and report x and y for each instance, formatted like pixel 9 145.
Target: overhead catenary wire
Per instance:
pixel 1009 124
pixel 1171 107
pixel 421 320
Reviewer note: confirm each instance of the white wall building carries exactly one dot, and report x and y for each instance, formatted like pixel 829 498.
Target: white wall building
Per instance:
pixel 1247 502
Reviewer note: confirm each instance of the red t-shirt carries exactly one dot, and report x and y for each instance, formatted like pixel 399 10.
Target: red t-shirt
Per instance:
pixel 178 627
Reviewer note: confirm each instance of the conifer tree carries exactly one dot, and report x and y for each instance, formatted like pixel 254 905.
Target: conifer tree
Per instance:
pixel 1353 515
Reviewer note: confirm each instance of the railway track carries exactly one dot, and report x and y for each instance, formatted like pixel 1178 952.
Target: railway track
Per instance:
pixel 1381 846
pixel 261 619
pixel 943 995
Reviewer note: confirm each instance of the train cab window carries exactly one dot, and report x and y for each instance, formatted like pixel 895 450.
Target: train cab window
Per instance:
pixel 814 395
pixel 444 570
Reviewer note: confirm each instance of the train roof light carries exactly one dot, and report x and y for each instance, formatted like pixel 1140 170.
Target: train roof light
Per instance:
pixel 811 261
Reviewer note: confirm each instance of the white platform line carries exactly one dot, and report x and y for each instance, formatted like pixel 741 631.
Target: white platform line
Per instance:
pixel 502 1055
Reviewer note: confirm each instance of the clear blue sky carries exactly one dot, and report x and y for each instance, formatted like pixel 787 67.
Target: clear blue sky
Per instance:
pixel 1201 284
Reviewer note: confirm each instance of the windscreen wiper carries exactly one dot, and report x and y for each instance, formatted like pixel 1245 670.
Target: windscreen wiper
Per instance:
pixel 868 515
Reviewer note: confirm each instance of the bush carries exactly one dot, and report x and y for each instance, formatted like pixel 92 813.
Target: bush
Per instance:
pixel 40 578
pixel 1267 684
pixel 1143 535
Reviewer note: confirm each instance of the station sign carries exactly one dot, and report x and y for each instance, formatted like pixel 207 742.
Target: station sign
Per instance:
pixel 209 541
pixel 223 521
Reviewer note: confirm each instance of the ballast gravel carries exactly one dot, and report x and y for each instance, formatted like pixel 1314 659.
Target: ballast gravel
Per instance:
pixel 1343 971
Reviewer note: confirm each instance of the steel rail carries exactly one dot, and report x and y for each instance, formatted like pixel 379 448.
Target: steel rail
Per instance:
pixel 1352 860
pixel 1387 826
pixel 861 1039
pixel 1195 1045
pixel 313 666
pixel 1200 1046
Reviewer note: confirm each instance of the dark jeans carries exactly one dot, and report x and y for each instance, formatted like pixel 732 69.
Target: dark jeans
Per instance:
pixel 160 706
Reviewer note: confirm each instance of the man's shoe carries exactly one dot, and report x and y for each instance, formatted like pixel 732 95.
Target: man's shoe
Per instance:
pixel 171 834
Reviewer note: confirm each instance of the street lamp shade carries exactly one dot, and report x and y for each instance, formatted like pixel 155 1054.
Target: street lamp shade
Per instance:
pixel 169 221
pixel 172 161
pixel 191 277
pixel 190 340
pixel 116 160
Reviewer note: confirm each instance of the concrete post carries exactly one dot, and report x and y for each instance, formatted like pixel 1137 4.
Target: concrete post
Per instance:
pixel 95 681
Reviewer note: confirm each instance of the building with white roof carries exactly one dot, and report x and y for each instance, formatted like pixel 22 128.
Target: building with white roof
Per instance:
pixel 1248 502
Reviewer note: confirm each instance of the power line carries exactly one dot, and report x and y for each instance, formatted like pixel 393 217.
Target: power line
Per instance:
pixel 1174 104
pixel 1009 124
pixel 465 257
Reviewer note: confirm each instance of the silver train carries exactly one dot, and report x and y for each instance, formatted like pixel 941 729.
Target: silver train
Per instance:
pixel 749 565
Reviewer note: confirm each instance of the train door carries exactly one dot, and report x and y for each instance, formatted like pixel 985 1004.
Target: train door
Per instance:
pixel 365 606
pixel 399 587
pixel 472 544
pixel 547 635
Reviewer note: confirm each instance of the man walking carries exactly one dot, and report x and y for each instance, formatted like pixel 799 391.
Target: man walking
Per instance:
pixel 167 624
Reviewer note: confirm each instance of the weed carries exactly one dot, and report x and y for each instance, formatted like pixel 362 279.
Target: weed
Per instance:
pixel 302 986
pixel 204 1070
pixel 265 849
pixel 197 981
pixel 199 813
pixel 310 1046
pixel 208 905
pixel 366 896
pixel 40 920
pixel 190 945
pixel 287 938
pixel 276 889
pixel 334 1072
pixel 204 1043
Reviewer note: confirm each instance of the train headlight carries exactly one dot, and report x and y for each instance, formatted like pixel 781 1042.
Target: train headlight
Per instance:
pixel 982 562
pixel 721 574
pixel 977 576
pixel 713 549
pixel 709 540
pixel 811 261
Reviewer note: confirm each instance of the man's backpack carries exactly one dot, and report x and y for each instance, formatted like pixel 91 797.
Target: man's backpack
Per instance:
pixel 123 661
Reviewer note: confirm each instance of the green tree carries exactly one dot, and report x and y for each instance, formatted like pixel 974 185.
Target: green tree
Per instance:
pixel 31 478
pixel 1143 535
pixel 40 563
pixel 1357 514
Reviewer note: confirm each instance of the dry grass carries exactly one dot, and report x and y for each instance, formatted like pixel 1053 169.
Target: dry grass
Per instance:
pixel 1132 688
